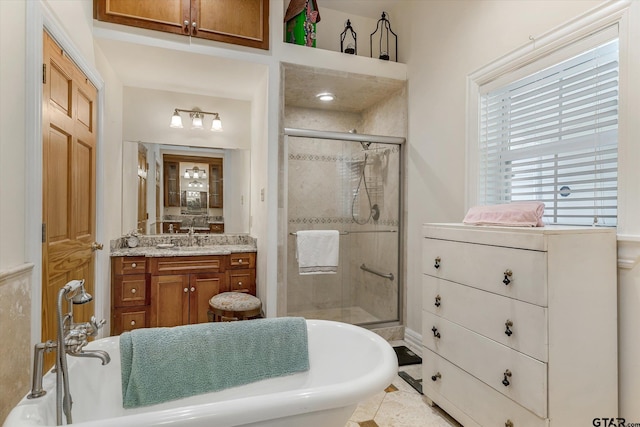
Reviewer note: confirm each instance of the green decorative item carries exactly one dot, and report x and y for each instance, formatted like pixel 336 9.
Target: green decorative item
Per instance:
pixel 301 19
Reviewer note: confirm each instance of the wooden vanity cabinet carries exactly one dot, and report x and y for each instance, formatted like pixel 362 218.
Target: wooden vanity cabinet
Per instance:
pixel 241 22
pixel 129 294
pixel 174 290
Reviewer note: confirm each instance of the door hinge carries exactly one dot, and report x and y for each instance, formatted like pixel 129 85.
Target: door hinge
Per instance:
pixel 44 233
pixel 44 73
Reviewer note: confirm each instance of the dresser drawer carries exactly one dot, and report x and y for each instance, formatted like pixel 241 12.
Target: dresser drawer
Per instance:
pixel 488 314
pixel 472 397
pixel 130 290
pixel 186 264
pixel 128 319
pixel 515 273
pixel 511 373
pixel 129 265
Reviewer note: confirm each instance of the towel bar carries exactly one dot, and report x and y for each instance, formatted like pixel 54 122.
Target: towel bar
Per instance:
pixel 377 273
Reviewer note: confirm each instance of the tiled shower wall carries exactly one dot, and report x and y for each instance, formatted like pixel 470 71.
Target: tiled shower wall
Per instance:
pixel 323 176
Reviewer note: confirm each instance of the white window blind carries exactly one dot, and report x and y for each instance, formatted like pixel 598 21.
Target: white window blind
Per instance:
pixel 552 137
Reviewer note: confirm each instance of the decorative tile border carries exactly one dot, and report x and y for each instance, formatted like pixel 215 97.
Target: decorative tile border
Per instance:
pixel 341 220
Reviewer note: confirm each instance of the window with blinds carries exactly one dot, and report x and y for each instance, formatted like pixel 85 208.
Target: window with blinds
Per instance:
pixel 553 137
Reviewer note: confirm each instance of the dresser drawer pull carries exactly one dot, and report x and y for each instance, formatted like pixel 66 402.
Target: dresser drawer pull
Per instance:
pixel 134 265
pixel 508 331
pixel 133 323
pixel 437 303
pixel 505 381
pixel 508 273
pixel 435 332
pixel 133 290
pixel 437 263
pixel 436 376
pixel 508 423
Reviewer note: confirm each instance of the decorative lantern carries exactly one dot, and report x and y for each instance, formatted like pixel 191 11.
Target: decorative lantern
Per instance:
pixel 352 44
pixel 384 27
pixel 301 18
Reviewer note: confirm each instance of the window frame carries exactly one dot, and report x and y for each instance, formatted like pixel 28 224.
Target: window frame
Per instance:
pixel 545 50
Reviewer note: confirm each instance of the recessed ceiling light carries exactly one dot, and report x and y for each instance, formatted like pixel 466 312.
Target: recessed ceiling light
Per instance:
pixel 326 96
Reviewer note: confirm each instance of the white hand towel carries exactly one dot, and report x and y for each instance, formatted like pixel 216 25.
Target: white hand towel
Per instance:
pixel 317 251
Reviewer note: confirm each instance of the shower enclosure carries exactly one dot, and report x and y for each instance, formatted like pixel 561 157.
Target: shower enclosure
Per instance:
pixel 350 183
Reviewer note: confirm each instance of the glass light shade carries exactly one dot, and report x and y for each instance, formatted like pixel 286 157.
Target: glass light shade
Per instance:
pixel 186 174
pixel 176 120
pixel 216 125
pixel 196 175
pixel 196 121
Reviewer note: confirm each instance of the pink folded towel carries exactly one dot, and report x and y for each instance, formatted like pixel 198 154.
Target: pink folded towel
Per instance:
pixel 517 214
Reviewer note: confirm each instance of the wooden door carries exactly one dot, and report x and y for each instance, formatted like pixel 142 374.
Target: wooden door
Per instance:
pixel 169 300
pixel 143 169
pixel 69 182
pixel 243 22
pixel 203 287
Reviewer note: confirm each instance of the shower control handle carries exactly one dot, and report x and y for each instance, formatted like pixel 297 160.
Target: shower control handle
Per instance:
pixel 437 263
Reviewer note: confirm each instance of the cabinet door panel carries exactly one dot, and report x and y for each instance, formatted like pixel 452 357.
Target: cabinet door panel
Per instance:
pixel 169 300
pixel 162 15
pixel 203 286
pixel 244 22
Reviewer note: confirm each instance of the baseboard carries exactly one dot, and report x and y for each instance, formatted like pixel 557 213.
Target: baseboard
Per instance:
pixel 413 341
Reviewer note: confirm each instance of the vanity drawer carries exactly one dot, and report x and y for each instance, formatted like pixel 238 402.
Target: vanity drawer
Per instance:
pixel 242 281
pixel 242 260
pixel 129 265
pixel 488 268
pixel 488 314
pixel 445 383
pixel 186 264
pixel 128 319
pixel 509 372
pixel 130 290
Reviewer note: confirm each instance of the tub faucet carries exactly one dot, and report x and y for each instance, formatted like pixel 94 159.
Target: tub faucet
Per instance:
pixel 190 242
pixel 72 338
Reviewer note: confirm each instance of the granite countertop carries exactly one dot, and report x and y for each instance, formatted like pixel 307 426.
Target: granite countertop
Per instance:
pixel 150 252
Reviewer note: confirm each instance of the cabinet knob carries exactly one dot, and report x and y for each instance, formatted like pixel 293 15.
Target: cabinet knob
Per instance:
pixel 239 261
pixel 435 332
pixel 436 376
pixel 507 273
pixel 134 265
pixel 437 303
pixel 133 290
pixel 508 325
pixel 239 283
pixel 194 24
pixel 437 263
pixel 133 323
pixel 193 289
pixel 505 381
pixel 186 290
pixel 508 423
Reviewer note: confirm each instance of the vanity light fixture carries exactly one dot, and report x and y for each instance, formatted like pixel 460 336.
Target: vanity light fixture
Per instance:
pixel 197 119
pixel 326 96
pixel 195 173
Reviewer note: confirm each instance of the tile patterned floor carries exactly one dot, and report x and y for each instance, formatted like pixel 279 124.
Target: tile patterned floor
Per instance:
pixel 400 405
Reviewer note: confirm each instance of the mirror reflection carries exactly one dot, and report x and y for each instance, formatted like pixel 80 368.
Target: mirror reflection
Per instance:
pixel 171 189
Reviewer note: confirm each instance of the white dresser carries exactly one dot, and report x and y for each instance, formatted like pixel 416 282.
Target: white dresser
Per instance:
pixel 520 324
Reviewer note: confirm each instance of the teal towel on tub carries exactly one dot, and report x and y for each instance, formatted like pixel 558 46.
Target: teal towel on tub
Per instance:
pixel 162 364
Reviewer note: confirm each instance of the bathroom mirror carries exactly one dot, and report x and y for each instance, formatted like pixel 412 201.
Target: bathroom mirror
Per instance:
pixel 218 191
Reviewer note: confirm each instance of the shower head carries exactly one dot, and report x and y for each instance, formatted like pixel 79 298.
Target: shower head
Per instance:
pixel 365 145
pixel 80 296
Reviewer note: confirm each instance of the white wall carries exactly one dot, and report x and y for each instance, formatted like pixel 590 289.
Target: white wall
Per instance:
pixel 450 40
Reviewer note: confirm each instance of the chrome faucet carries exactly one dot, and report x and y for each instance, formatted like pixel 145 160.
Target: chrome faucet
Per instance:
pixel 190 242
pixel 72 338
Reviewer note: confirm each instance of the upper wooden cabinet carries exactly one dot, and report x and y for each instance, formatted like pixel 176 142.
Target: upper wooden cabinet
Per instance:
pixel 242 22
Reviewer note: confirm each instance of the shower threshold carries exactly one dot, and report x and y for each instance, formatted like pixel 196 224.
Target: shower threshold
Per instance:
pixel 354 315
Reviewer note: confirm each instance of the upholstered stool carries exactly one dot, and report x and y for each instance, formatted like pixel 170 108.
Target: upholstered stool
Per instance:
pixel 229 306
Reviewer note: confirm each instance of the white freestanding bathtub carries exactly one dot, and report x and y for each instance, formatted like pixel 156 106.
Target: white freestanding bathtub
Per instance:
pixel 347 365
